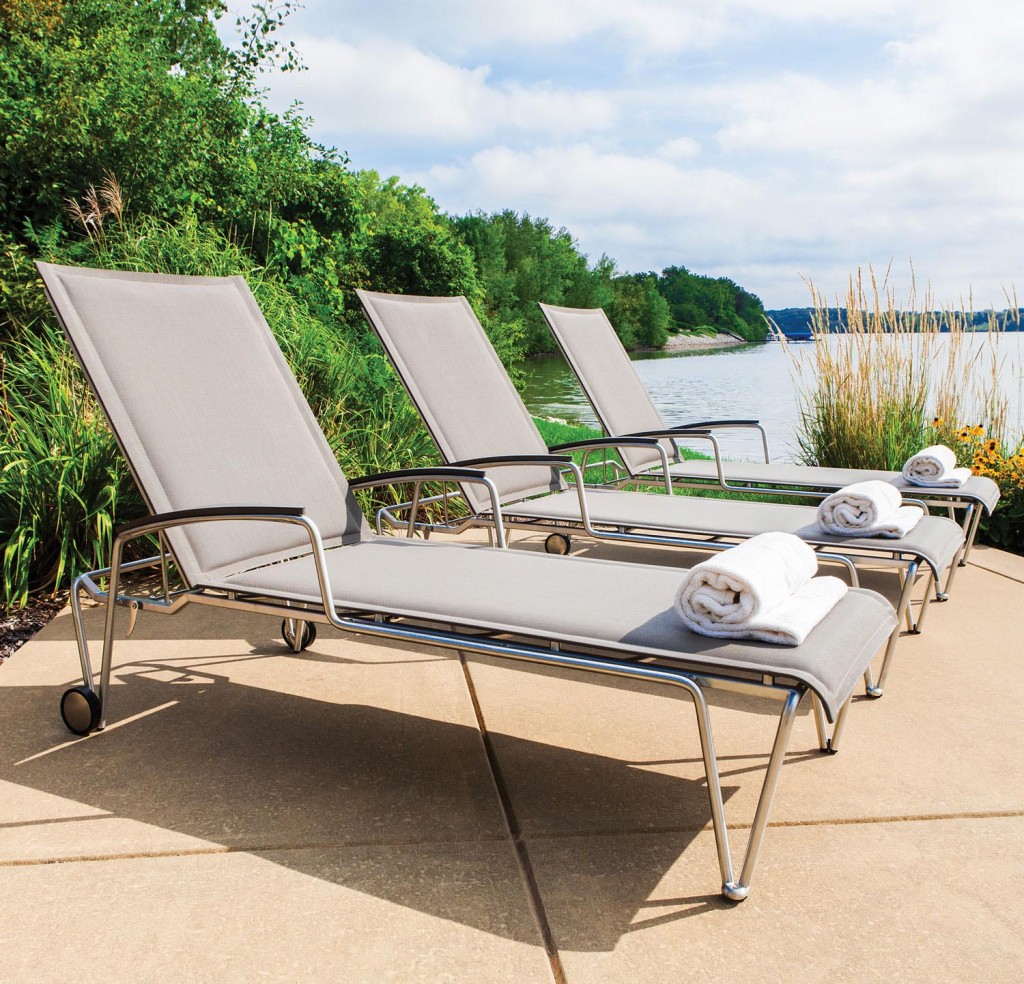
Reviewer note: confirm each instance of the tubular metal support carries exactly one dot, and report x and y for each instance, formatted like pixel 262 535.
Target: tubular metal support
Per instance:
pixel 901 612
pixel 693 682
pixel 156 524
pixel 837 729
pixel 974 524
pixel 739 890
pixel 80 637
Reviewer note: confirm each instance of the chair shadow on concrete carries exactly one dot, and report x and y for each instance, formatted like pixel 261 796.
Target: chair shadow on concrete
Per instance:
pixel 292 779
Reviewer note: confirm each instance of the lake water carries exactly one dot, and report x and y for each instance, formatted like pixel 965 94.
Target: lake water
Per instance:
pixel 753 382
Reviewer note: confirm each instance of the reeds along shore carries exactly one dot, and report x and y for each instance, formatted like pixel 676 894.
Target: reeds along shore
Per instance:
pixel 900 376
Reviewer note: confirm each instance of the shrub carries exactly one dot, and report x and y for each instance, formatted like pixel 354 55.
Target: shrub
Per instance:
pixel 986 456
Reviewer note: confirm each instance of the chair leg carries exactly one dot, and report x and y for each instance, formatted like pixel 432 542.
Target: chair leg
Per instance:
pixel 738 890
pixel 80 636
pixel 837 728
pixel 971 523
pixel 926 600
pixel 826 742
pixel 113 585
pixel 953 568
pixel 733 888
pixel 903 605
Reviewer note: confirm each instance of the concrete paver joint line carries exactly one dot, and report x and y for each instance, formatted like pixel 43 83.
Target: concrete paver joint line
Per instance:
pixel 536 903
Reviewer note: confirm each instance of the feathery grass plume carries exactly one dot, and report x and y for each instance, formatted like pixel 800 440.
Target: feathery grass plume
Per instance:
pixel 895 377
pixel 98 205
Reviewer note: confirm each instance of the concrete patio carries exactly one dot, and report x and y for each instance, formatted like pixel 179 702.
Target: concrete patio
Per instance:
pixel 371 813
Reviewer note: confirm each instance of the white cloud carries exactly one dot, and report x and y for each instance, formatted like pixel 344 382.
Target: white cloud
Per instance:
pixel 759 139
pixel 384 87
pixel 679 149
pixel 583 182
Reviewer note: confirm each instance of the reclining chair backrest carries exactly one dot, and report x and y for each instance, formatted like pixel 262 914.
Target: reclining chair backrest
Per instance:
pixel 601 363
pixel 447 364
pixel 205 409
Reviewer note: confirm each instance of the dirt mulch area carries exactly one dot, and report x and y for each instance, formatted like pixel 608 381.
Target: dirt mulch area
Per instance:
pixel 19 625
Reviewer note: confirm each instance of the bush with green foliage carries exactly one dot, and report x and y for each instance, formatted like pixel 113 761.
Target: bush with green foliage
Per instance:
pixel 63 483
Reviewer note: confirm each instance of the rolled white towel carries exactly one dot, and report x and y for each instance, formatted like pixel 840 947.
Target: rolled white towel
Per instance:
pixel 935 466
pixel 763 589
pixel 868 509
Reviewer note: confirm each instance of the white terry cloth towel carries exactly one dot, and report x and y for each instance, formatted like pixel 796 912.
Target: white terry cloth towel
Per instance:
pixel 868 509
pixel 763 589
pixel 935 466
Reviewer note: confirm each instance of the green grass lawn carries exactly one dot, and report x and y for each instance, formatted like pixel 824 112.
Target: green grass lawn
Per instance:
pixel 555 432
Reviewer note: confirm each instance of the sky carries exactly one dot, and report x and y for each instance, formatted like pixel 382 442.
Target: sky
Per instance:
pixel 769 141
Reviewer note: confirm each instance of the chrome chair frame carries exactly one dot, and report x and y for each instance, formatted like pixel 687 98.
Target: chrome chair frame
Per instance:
pixel 692 680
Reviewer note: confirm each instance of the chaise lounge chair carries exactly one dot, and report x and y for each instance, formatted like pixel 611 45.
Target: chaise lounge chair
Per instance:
pixel 250 506
pixel 624 407
pixel 478 420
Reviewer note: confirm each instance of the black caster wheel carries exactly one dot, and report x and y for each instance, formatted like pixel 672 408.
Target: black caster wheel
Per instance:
pixel 557 543
pixel 80 710
pixel 306 634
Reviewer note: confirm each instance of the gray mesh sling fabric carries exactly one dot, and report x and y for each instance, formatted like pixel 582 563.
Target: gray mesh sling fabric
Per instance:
pixel 575 601
pixel 208 414
pixel 597 354
pixel 450 368
pixel 623 405
pixel 230 429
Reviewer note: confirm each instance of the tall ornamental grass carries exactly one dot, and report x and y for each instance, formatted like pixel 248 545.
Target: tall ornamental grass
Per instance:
pixel 62 481
pixel 895 378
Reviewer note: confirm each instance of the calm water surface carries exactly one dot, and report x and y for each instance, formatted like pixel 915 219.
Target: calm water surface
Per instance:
pixel 754 382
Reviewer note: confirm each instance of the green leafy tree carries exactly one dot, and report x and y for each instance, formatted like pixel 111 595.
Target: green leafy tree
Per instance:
pixel 523 260
pixel 696 300
pixel 639 313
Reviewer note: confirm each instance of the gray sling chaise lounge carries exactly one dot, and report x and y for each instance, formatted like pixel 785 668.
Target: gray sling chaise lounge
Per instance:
pixel 252 509
pixel 478 420
pixel 624 407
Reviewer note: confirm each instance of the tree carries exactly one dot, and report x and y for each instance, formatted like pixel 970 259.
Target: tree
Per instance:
pixel 523 260
pixel 696 300
pixel 639 313
pixel 145 91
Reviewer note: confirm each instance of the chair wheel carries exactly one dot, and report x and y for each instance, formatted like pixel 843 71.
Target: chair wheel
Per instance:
pixel 305 637
pixel 80 710
pixel 557 543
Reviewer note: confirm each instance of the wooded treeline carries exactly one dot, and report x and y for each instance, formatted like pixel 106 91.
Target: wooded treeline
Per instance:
pixel 147 93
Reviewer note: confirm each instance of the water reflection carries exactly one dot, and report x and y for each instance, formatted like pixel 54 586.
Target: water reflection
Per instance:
pixel 746 382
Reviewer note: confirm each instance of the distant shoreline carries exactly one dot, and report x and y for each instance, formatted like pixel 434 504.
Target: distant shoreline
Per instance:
pixel 699 343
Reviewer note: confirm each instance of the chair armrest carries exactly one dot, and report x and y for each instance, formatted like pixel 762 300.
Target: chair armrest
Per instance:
pixel 708 424
pixel 181 517
pixel 705 426
pixel 606 442
pixel 439 474
pixel 668 432
pixel 498 461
